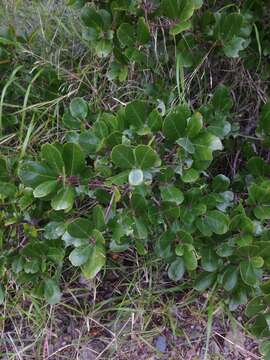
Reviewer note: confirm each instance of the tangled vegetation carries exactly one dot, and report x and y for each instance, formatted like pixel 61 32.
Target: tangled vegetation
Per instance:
pixel 151 149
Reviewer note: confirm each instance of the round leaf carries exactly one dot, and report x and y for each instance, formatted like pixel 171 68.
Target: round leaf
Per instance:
pixel 80 255
pixel 78 108
pixel 146 157
pixel 123 156
pixel 53 157
pixel 80 228
pixel 175 123
pixel 172 194
pixel 176 270
pixel 64 199
pixel 135 177
pixel 45 188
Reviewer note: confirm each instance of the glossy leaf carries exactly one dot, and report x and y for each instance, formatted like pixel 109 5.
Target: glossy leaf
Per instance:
pixel 34 173
pixel 135 177
pixel 45 188
pixel 248 273
pixel 172 194
pixel 64 199
pixel 78 108
pixel 80 228
pixel 53 158
pixel 143 33
pixel 52 292
pixel 136 113
pixel 80 255
pixel 73 159
pixel 126 34
pixel 204 281
pixel 175 123
pixel 123 156
pixel 97 258
pixel 176 270
pixel 145 157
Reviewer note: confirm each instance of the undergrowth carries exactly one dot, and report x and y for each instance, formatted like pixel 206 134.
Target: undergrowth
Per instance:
pixel 134 179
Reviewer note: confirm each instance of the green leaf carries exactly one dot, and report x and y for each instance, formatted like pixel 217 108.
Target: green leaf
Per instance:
pixel 220 183
pixel 106 19
pixel 54 230
pixel 145 157
pixel 210 261
pixel 52 292
pixel 264 349
pixel 225 250
pixel 73 159
pixel 248 273
pixel 172 194
pixel 232 48
pixel 205 144
pixel 186 144
pixel 190 259
pixel 143 33
pixel 45 188
pixel 255 306
pixel 229 26
pixel 126 34
pixel 179 28
pixel 34 173
pixel 175 123
pixel 185 237
pixel 222 100
pixel 141 231
pixel 230 278
pixel 64 199
pixel 117 71
pixel 89 142
pixel 70 122
pixel 7 190
pixel 78 108
pixel 154 120
pixel 32 266
pixel 194 125
pixel 135 177
pixel 103 48
pixel 177 9
pixel 53 157
pixel 238 297
pixel 261 326
pixel 262 212
pixel 170 8
pixel 80 228
pixel 123 156
pixel 97 258
pixel 91 18
pixel 80 255
pixel 220 128
pixel 197 4
pixel 163 246
pixel 204 281
pixel 176 270
pixel 257 166
pixel 190 176
pixel 257 261
pixel 99 218
pixel 217 222
pixel 136 113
